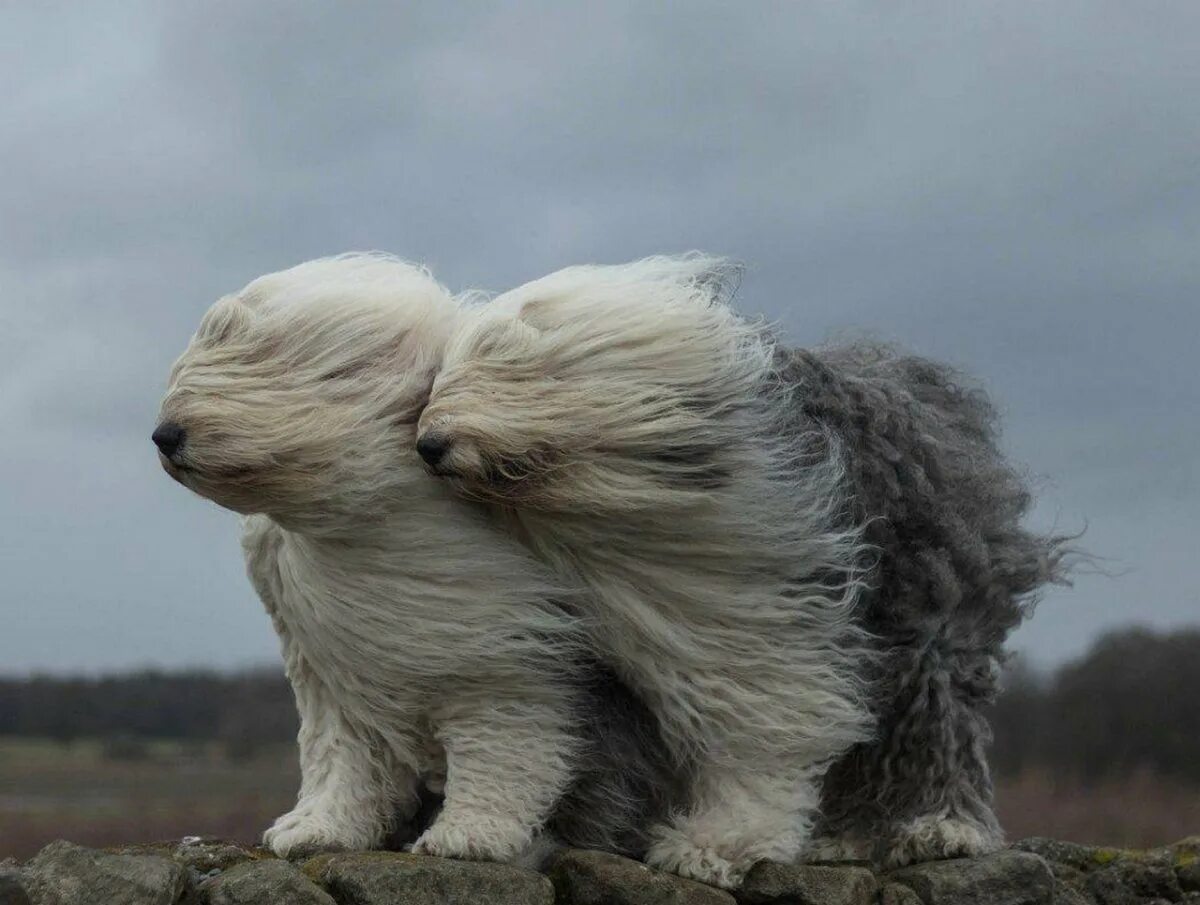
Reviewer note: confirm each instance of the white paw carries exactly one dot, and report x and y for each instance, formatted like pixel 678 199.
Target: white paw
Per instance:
pixel 674 852
pixel 480 838
pixel 302 833
pixel 935 838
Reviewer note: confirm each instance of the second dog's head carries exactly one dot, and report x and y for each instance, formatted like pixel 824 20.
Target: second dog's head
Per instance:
pixel 299 395
pixel 597 388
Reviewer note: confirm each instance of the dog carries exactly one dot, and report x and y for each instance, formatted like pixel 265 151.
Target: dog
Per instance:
pixel 425 646
pixel 805 562
pixel 621 418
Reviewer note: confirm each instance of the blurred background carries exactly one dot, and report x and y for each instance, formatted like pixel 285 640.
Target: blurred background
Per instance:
pixel 1014 187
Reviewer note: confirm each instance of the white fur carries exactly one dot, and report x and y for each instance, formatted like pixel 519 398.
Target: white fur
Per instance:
pixel 419 638
pixel 936 837
pixel 623 419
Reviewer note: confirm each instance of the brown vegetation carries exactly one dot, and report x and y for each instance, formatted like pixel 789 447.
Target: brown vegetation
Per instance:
pixel 51 790
pixel 1140 811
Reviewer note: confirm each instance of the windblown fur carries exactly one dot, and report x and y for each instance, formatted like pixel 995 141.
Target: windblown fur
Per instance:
pixel 627 422
pixel 424 645
pixel 798 559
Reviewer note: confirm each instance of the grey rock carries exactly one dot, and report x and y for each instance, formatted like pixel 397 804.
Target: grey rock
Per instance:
pixel 895 894
pixel 397 878
pixel 262 883
pixel 66 874
pixel 1070 885
pixel 298 854
pixel 1114 875
pixel 770 883
pixel 1005 878
pixel 12 890
pixel 201 854
pixel 1188 875
pixel 1070 895
pixel 1106 889
pixel 1081 857
pixel 1134 880
pixel 1185 857
pixel 1065 875
pixel 1066 872
pixel 598 878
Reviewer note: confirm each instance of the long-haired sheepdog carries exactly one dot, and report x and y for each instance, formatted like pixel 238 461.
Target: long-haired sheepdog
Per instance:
pixel 805 562
pixel 423 643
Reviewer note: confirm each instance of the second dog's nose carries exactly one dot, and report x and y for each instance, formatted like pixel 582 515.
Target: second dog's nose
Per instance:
pixel 432 448
pixel 168 438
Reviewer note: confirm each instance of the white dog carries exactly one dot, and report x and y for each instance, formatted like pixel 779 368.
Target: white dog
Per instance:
pixel 626 421
pixel 420 640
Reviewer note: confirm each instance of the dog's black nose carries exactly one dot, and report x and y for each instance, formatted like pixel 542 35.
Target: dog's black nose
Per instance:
pixel 432 448
pixel 168 438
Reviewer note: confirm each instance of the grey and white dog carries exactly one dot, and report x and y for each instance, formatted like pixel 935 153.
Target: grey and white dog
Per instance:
pixel 805 562
pixel 426 647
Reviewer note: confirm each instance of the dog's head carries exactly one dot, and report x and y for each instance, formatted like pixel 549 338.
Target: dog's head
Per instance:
pixel 595 387
pixel 300 394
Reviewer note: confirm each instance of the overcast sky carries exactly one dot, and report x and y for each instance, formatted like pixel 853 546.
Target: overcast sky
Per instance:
pixel 1014 187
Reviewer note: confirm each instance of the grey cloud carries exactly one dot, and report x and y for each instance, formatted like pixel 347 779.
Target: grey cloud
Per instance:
pixel 1013 188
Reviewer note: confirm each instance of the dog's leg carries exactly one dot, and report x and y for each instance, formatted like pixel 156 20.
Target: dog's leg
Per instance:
pixel 953 816
pixel 348 789
pixel 739 814
pixel 928 772
pixel 508 761
pixel 850 814
pixel 843 845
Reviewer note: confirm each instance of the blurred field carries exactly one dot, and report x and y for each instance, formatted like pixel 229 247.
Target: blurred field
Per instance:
pixel 159 790
pixel 98 795
pixel 1140 811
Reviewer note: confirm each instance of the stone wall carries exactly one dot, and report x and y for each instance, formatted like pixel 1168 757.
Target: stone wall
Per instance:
pixel 210 872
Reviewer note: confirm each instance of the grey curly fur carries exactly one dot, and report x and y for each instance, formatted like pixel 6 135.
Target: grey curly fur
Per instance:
pixel 624 781
pixel 955 573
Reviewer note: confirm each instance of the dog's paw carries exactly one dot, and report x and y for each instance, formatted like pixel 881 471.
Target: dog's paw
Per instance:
pixel 935 838
pixel 300 834
pixel 482 838
pixel 673 851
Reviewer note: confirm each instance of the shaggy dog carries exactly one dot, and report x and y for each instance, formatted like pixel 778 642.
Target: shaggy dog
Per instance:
pixel 804 562
pixel 422 642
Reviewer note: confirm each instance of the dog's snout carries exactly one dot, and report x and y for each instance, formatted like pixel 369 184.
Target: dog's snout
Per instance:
pixel 168 438
pixel 432 448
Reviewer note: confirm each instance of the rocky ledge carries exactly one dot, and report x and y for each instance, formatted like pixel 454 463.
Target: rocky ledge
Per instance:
pixel 211 872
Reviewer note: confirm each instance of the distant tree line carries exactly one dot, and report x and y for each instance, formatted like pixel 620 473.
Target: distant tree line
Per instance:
pixel 244 711
pixel 1131 703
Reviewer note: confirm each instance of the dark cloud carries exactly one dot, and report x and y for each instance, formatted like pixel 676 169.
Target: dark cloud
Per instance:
pixel 1014 188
